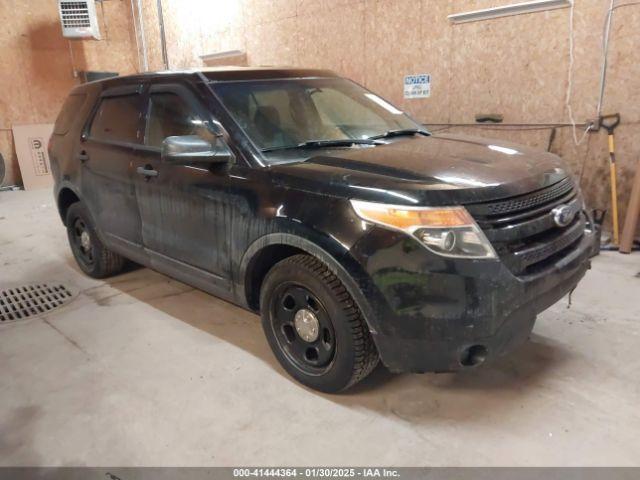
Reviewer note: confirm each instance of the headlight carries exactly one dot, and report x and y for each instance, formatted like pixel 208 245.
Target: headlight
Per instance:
pixel 448 231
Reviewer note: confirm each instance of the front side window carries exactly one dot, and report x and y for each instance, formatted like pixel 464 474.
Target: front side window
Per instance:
pixel 117 119
pixel 169 115
pixel 288 112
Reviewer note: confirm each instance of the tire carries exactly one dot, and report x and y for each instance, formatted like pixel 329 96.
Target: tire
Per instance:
pixel 314 326
pixel 92 257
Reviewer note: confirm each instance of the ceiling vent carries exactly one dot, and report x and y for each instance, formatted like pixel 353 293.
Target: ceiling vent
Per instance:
pixel 78 19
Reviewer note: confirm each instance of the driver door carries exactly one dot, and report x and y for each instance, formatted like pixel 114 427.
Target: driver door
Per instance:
pixel 182 207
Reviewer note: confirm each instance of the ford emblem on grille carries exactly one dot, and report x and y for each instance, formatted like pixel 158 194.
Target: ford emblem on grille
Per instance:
pixel 563 215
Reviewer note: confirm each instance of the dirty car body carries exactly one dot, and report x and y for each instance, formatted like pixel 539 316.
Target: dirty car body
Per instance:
pixel 222 225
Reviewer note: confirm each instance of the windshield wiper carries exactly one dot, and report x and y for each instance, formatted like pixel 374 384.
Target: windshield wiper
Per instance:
pixel 403 131
pixel 344 142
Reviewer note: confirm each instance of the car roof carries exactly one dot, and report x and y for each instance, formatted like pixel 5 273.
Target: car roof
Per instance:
pixel 220 74
pixel 260 73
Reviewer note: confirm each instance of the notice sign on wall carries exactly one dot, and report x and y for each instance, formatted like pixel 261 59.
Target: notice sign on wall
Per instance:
pixel 31 149
pixel 417 86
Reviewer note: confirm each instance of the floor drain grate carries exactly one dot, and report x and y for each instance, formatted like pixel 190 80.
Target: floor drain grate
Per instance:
pixel 18 303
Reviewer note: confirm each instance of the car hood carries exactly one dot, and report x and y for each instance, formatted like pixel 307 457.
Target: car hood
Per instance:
pixel 434 170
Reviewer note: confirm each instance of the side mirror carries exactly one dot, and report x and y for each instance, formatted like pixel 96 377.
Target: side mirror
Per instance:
pixel 186 149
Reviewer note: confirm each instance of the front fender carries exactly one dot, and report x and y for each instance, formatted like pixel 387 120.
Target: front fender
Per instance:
pixel 332 253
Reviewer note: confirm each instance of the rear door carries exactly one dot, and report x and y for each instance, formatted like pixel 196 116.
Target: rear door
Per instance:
pixel 110 145
pixel 184 208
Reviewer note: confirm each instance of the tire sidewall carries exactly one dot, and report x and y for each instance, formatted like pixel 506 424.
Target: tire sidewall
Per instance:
pixel 340 371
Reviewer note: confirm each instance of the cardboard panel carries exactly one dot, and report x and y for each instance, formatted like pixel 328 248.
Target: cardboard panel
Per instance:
pixel 31 148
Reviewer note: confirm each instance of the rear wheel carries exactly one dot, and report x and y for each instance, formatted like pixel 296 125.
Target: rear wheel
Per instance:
pixel 92 256
pixel 314 326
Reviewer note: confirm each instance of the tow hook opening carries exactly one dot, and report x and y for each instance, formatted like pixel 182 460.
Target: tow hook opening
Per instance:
pixel 473 355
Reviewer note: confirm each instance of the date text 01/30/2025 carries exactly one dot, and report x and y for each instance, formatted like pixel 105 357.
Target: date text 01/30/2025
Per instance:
pixel 316 472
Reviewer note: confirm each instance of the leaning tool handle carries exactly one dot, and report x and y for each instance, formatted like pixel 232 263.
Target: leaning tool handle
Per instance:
pixel 610 122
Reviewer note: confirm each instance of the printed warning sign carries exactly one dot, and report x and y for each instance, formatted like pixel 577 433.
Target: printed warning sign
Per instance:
pixel 417 86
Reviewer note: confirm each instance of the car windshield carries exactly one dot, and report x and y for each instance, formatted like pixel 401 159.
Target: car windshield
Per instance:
pixel 318 112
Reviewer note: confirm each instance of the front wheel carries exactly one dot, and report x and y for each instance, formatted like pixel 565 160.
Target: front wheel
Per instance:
pixel 314 326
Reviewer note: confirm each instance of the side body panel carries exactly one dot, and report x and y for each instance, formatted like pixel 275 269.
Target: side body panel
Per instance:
pixel 107 189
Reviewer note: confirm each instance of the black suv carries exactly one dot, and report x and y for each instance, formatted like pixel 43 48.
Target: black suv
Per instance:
pixel 355 232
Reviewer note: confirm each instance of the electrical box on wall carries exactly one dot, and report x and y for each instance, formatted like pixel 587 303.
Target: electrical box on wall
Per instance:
pixel 79 19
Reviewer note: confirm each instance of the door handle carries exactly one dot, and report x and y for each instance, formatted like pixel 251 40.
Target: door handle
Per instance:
pixel 83 156
pixel 147 171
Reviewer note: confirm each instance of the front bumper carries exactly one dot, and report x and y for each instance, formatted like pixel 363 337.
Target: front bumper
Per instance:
pixel 431 313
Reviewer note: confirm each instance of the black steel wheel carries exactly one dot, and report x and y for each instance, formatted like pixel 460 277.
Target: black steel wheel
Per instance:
pixel 302 328
pixel 314 326
pixel 90 253
pixel 82 242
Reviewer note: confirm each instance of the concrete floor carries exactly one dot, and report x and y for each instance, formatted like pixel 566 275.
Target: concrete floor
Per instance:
pixel 144 370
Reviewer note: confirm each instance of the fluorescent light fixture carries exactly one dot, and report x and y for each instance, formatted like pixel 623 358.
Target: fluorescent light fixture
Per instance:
pixel 507 10
pixel 505 150
pixel 387 106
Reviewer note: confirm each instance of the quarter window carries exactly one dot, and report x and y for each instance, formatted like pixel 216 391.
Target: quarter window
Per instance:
pixel 69 113
pixel 170 115
pixel 117 119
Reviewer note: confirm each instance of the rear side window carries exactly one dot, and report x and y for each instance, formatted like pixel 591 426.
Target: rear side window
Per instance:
pixel 170 115
pixel 69 112
pixel 117 119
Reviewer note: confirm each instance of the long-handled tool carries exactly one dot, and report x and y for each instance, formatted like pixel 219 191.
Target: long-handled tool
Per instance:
pixel 610 122
pixel 633 215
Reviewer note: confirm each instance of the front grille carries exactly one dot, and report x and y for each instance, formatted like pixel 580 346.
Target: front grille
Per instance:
pixel 522 229
pixel 529 200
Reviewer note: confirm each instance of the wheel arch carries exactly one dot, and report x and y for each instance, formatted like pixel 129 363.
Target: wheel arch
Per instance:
pixel 66 197
pixel 268 250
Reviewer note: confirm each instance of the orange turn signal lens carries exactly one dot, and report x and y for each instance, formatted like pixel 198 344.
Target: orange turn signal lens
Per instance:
pixel 409 218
